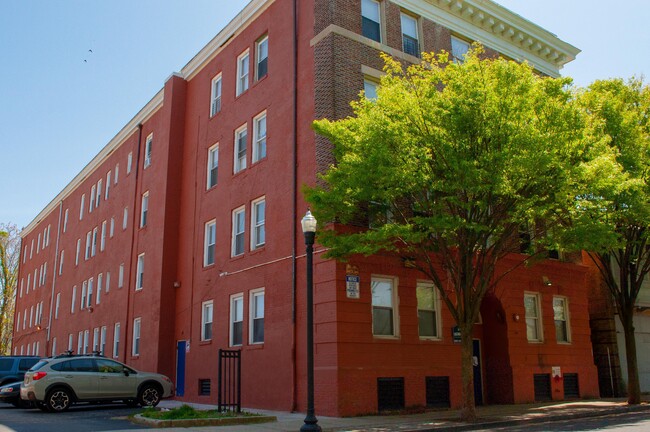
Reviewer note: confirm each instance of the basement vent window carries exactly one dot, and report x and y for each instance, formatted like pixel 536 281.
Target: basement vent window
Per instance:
pixel 390 394
pixel 204 387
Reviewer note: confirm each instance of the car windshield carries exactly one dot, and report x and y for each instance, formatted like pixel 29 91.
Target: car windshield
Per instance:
pixel 39 365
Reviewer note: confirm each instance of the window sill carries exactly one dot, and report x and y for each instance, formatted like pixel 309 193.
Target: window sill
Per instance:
pixel 205 342
pixel 430 339
pixel 255 346
pixel 386 337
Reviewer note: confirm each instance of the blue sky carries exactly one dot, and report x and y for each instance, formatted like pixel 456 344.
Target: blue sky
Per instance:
pixel 58 111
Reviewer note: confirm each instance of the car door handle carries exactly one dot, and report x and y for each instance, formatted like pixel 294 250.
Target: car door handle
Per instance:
pixel 69 376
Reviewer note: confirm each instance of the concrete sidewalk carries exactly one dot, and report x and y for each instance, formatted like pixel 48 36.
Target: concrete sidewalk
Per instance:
pixel 489 417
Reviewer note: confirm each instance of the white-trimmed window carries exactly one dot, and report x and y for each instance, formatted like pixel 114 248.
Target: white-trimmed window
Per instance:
pixel 206 320
pixel 533 317
pixel 561 318
pixel 148 148
pixel 111 231
pixel 384 299
pixel 53 353
pixel 262 57
pixel 108 184
pixel 102 243
pixel 100 282
pixel 238 231
pixel 96 339
pixel 410 41
pixel 89 298
pixel 259 137
pixel 144 209
pixel 256 314
pixel 91 201
pixel 74 298
pixel 258 219
pixel 88 243
pixel 61 256
pixel 135 350
pixel 94 248
pixel 102 341
pixel 243 67
pixel 56 308
pixel 210 242
pixel 76 258
pixel 236 319
pixel 125 218
pixel 108 281
pixel 371 19
pixel 117 173
pixel 428 311
pixel 98 197
pixel 139 274
pixel 70 341
pixel 80 341
pixel 370 88
pixel 86 341
pixel 18 322
pixel 31 249
pixel 241 136
pixel 213 166
pixel 65 223
pixel 129 162
pixel 120 276
pixel 81 214
pixel 116 340
pixel 215 96
pixel 459 48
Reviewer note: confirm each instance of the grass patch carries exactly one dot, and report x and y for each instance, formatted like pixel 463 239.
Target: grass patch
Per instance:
pixel 186 412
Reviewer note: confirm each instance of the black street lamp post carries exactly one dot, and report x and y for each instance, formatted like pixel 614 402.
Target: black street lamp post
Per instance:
pixel 309 230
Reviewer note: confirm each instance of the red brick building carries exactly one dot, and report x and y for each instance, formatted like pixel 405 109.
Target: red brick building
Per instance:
pixel 182 235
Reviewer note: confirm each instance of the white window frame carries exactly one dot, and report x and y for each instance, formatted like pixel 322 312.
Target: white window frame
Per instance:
pixel 254 295
pixel 61 257
pixel 120 276
pixel 108 282
pixel 91 201
pixel 81 213
pixel 236 226
pixel 259 140
pixel 65 223
pixel 365 4
pixel 111 231
pixel 148 149
pixel 56 307
pixel 80 341
pixel 260 46
pixel 82 303
pixel 210 242
pixel 139 273
pixel 102 341
pixel 108 185
pixel 537 320
pixel 74 298
pixel 129 163
pixel 116 340
pixel 456 42
pixel 235 311
pixel 144 209
pixel 95 339
pixel 243 72
pixel 137 331
pixel 102 243
pixel 86 341
pixel 370 86
pixel 76 258
pixel 100 280
pixel 88 244
pixel 566 320
pixel 98 197
pixel 394 306
pixel 207 318
pixel 216 91
pixel 213 165
pixel 94 248
pixel 406 17
pixel 117 173
pixel 258 228
pixel 53 353
pixel 240 155
pixel 125 218
pixel 421 285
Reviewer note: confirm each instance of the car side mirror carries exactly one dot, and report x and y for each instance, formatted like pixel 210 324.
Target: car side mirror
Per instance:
pixel 126 372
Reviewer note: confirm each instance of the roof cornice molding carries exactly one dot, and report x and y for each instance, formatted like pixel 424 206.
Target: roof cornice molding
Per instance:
pixel 234 27
pixel 142 116
pixel 499 28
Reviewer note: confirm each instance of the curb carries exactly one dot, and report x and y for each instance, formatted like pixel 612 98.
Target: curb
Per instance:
pixel 188 423
pixel 534 420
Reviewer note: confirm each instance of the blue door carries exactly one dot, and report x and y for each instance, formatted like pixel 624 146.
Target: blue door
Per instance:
pixel 180 367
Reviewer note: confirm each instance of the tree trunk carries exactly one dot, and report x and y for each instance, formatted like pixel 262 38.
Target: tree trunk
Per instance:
pixel 633 386
pixel 468 410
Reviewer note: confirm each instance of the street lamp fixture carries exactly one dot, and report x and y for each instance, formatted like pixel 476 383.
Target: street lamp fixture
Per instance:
pixel 309 230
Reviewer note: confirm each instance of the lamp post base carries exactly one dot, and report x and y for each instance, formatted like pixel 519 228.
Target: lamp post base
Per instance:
pixel 311 424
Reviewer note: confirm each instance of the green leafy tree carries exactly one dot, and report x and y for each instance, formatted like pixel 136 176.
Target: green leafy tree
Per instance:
pixel 613 213
pixel 450 161
pixel 9 257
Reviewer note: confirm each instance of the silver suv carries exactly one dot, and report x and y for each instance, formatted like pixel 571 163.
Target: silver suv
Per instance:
pixel 56 383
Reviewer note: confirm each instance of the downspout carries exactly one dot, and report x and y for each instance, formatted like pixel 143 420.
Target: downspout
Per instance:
pixel 294 217
pixel 133 222
pixel 54 271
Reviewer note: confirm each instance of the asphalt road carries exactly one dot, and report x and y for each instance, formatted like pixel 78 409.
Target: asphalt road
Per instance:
pixel 79 418
pixel 636 421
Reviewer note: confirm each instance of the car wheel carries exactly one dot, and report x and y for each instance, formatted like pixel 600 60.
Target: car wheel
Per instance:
pixel 149 396
pixel 58 400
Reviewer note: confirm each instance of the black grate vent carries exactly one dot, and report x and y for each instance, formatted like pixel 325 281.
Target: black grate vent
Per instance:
pixel 542 387
pixel 437 392
pixel 390 393
pixel 571 387
pixel 204 387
